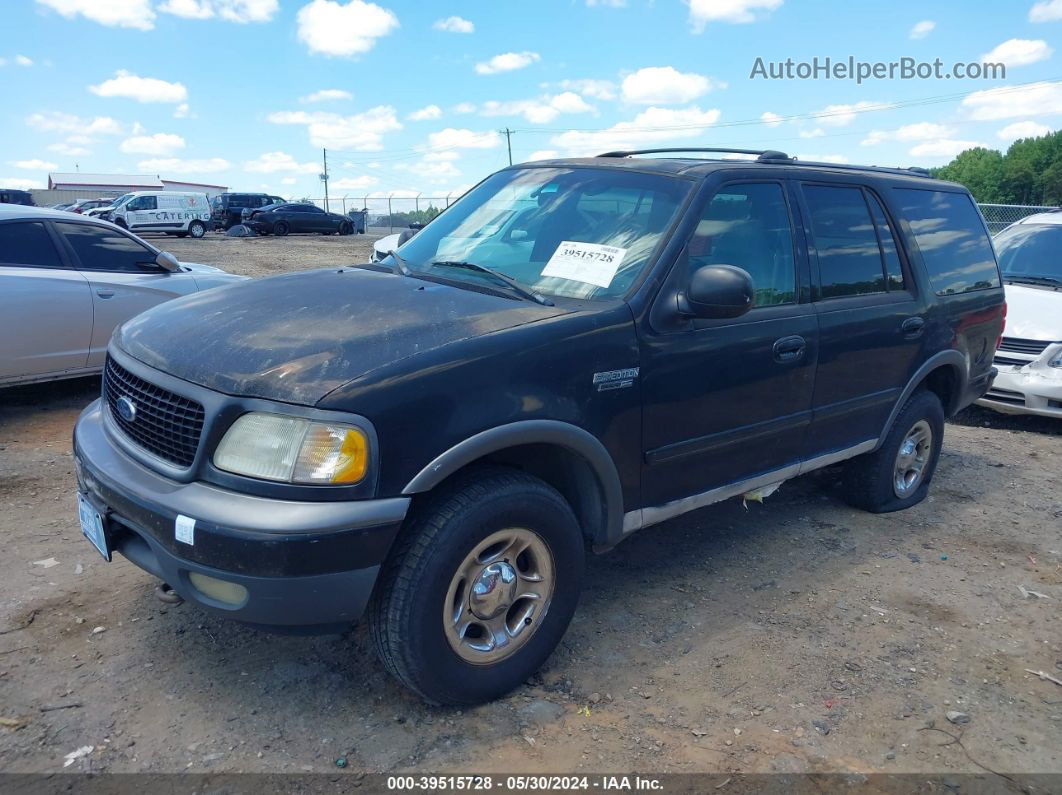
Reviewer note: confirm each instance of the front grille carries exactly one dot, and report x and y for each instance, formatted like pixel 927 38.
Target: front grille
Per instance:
pixel 165 424
pixel 1010 360
pixel 1018 345
pixel 1006 396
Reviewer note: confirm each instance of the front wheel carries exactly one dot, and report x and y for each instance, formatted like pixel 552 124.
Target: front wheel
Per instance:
pixel 281 228
pixel 897 474
pixel 197 229
pixel 480 589
pixel 345 228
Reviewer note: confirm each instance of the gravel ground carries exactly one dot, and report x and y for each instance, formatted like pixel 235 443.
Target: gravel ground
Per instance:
pixel 796 635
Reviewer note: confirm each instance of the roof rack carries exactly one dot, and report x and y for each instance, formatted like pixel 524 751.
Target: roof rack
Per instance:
pixel 762 154
pixel 774 157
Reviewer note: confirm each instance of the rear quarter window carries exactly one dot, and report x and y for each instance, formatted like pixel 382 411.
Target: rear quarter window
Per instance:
pixel 952 239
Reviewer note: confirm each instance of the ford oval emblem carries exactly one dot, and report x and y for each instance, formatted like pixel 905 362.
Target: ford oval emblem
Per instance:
pixel 126 409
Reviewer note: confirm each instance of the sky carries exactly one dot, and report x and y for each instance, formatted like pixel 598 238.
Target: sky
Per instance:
pixel 409 97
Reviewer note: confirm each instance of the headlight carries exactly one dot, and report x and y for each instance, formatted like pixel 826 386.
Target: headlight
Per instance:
pixel 294 450
pixel 1056 360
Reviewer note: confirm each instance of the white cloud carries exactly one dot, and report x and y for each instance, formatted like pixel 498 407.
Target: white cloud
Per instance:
pixel 507 62
pixel 353 183
pixel 823 158
pixel 464 107
pixel 3 61
pixel 595 89
pixel 1035 99
pixel 817 132
pixel 21 183
pixel 23 60
pixel 182 111
pixel 35 165
pixel 288 180
pixel 455 25
pixel 113 13
pixel 651 126
pixel 436 172
pixel 542 154
pixel 231 10
pixel 427 113
pixel 175 165
pixel 943 148
pixel 770 119
pixel 68 149
pixel 538 111
pixel 451 138
pixel 607 3
pixel 360 131
pixel 1022 129
pixel 57 121
pixel 664 85
pixel 327 95
pixel 1018 52
pixel 157 144
pixel 843 115
pixel 334 28
pixel 142 89
pixel 922 29
pixel 919 131
pixel 736 12
pixel 273 162
pixel 1046 11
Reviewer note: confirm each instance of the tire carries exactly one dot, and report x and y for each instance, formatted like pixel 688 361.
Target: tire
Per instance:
pixel 411 625
pixel 120 222
pixel 197 229
pixel 872 481
pixel 281 228
pixel 345 228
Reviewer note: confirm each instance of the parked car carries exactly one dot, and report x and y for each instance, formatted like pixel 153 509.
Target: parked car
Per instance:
pixel 1029 358
pixel 172 212
pixel 14 196
pixel 227 209
pixel 62 206
pixel 388 243
pixel 83 205
pixel 573 351
pixel 66 282
pixel 282 219
pixel 103 211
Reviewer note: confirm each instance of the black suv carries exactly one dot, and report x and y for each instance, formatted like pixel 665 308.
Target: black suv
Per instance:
pixel 226 209
pixel 575 350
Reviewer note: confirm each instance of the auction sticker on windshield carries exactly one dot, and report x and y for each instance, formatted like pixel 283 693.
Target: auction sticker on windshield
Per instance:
pixel 590 263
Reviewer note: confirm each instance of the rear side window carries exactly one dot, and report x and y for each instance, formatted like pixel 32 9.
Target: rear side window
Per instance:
pixel 27 244
pixel 887 239
pixel 846 242
pixel 952 238
pixel 102 249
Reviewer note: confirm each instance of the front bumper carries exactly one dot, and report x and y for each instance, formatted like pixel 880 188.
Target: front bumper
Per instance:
pixel 1031 389
pixel 303 564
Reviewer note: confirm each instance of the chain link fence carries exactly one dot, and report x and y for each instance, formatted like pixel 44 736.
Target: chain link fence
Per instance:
pixel 1000 216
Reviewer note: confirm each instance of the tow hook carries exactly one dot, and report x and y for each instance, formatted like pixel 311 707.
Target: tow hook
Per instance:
pixel 164 593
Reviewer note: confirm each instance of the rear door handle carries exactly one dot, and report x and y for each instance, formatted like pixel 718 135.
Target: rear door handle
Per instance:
pixel 105 293
pixel 790 349
pixel 912 327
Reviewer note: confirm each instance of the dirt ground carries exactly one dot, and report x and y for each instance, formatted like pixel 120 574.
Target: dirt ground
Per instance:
pixel 796 635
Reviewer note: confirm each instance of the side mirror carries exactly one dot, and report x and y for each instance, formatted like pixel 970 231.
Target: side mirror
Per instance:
pixel 167 262
pixel 717 291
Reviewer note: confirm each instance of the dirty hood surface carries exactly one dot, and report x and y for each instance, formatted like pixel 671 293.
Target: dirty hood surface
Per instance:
pixel 299 336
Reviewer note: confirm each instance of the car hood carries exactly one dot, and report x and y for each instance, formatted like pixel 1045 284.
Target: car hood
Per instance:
pixel 387 243
pixel 297 337
pixel 1034 313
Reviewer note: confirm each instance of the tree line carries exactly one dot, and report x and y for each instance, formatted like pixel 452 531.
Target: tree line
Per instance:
pixel 1030 172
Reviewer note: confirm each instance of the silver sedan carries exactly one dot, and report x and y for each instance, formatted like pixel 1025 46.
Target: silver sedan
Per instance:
pixel 67 281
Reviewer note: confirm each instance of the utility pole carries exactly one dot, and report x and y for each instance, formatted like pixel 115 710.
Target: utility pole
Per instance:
pixel 324 177
pixel 508 142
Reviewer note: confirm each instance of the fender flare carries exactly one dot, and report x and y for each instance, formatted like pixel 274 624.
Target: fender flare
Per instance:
pixel 553 432
pixel 951 359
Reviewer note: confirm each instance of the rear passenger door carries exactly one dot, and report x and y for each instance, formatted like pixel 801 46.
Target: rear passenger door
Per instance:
pixel 871 322
pixel 45 304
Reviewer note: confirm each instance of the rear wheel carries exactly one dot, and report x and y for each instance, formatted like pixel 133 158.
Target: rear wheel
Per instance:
pixel 897 474
pixel 281 228
pixel 197 229
pixel 481 588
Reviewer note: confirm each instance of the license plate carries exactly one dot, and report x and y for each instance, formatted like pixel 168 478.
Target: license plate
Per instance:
pixel 92 526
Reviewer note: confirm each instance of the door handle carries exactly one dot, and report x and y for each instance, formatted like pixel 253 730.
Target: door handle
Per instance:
pixel 913 327
pixel 105 293
pixel 789 349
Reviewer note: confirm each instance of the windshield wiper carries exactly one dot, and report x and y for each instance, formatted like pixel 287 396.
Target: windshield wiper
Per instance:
pixel 401 266
pixel 514 285
pixel 1031 279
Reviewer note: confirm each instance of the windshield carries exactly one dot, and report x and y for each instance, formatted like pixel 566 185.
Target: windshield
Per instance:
pixel 1030 251
pixel 121 200
pixel 577 233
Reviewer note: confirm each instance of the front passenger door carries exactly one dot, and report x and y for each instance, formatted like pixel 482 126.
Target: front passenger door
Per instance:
pixel 727 400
